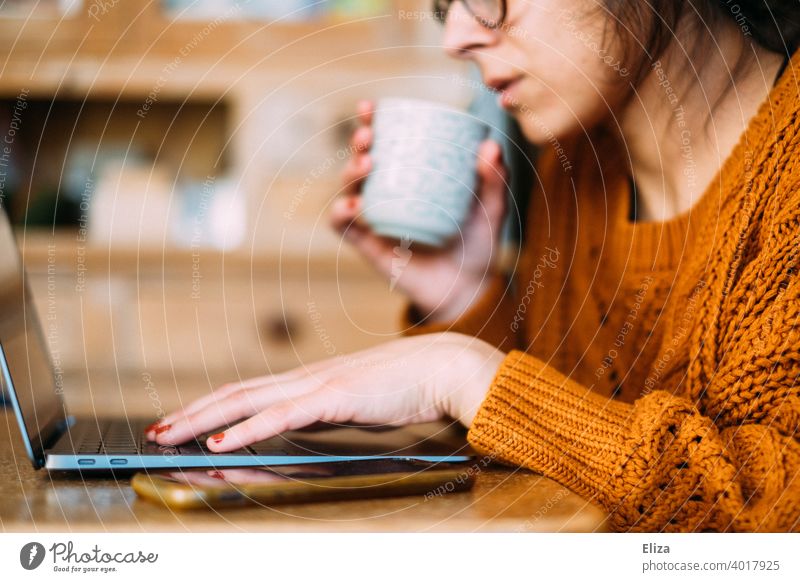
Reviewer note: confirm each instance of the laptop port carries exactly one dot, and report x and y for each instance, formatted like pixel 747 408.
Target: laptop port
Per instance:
pixel 119 461
pixel 86 461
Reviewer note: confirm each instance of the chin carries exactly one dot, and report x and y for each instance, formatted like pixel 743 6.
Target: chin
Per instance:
pixel 542 128
pixel 539 129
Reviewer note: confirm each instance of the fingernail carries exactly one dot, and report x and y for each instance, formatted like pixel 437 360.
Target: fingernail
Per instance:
pixel 217 475
pixel 217 438
pixel 151 427
pixel 162 429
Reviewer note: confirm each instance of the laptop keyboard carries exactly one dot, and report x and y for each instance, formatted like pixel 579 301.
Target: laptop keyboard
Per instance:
pixel 123 437
pixel 109 437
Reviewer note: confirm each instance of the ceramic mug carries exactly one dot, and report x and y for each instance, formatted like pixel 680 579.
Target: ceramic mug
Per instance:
pixel 423 179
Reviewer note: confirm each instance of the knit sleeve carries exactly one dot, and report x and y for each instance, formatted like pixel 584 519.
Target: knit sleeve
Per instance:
pixel 723 454
pixel 490 317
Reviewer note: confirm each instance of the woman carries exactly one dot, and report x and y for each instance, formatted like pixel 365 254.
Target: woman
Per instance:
pixel 645 354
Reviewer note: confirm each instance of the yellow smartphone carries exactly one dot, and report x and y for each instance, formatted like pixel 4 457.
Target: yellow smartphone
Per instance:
pixel 314 482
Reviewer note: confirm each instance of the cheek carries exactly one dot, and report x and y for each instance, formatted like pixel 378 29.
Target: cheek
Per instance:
pixel 565 105
pixel 565 97
pixel 574 79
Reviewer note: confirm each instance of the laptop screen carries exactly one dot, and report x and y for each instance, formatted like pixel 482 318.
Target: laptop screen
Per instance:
pixel 28 379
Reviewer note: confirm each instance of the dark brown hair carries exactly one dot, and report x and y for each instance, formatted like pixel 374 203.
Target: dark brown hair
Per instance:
pixel 648 27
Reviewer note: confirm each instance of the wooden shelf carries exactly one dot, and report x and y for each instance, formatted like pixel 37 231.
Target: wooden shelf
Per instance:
pixel 138 28
pixel 41 248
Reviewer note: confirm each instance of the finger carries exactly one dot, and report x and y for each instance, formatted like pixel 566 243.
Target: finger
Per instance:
pixel 361 140
pixel 239 405
pixel 201 479
pixel 355 172
pixel 180 476
pixel 235 407
pixel 344 210
pixel 378 250
pixel 365 109
pixel 228 389
pixel 248 476
pixel 314 470
pixel 274 420
pixel 492 173
pixel 217 395
pixel 275 387
pixel 493 183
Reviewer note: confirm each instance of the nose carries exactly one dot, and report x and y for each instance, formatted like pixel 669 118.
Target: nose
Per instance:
pixel 463 34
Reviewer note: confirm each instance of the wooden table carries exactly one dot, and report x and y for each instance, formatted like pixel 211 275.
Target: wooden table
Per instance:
pixel 502 499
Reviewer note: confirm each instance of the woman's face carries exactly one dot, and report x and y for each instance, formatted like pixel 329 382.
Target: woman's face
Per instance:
pixel 549 61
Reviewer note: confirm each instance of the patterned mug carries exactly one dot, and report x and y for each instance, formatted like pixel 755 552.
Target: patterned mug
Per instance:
pixel 423 175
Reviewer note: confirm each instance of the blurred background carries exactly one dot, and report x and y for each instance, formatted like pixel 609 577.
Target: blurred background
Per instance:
pixel 170 105
pixel 169 164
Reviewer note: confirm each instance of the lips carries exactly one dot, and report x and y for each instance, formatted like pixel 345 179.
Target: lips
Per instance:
pixel 499 84
pixel 503 86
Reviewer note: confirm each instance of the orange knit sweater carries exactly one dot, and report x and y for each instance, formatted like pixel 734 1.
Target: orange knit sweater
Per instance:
pixel 653 366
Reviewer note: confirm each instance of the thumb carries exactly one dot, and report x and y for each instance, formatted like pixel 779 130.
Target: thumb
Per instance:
pixel 492 183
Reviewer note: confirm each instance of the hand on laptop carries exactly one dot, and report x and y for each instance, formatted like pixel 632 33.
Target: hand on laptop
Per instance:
pixel 409 380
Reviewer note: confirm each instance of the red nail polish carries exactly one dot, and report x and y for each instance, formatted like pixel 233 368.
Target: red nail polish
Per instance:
pixel 164 428
pixel 152 426
pixel 217 438
pixel 217 475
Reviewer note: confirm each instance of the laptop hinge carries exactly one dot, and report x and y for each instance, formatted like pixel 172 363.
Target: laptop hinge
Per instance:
pixel 60 426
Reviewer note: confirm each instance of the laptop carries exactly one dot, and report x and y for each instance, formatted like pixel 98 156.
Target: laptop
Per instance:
pixel 56 440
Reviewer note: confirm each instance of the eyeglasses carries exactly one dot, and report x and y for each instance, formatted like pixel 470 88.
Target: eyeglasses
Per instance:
pixel 490 13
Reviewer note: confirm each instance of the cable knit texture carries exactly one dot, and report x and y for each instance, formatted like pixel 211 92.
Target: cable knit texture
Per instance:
pixel 653 366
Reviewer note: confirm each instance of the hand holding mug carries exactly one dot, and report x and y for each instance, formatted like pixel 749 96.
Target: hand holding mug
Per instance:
pixel 442 281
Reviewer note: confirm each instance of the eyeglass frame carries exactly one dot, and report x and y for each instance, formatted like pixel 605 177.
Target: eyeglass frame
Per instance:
pixel 441 8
